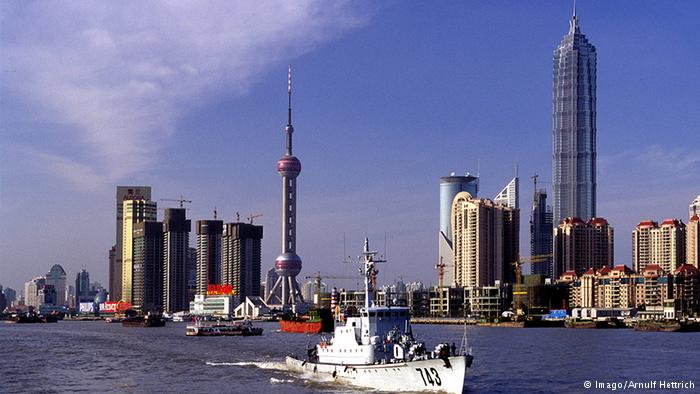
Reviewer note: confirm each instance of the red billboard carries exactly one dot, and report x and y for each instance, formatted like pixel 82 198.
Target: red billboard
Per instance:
pixel 114 307
pixel 220 290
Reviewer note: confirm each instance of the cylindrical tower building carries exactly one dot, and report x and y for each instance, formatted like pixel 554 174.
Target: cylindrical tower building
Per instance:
pixel 288 264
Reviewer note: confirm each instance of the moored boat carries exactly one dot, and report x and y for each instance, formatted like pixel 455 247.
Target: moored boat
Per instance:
pixel 318 320
pixel 205 329
pixel 667 326
pixel 377 350
pixel 149 320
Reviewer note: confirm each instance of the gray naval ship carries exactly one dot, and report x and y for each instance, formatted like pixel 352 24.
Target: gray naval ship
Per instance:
pixel 377 350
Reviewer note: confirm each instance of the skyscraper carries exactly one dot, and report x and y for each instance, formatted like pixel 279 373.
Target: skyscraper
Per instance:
pixel 56 277
pixel 208 254
pixel 176 243
pixel 123 193
pixel 112 267
pixel 148 266
pixel 191 273
pixel 82 287
pixel 485 241
pixel 288 264
pixel 579 245
pixel 450 186
pixel 541 235
pixel 135 211
pixel 241 258
pixel 510 195
pixel 574 126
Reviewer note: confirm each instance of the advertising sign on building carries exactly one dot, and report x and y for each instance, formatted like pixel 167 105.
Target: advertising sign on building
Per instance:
pixel 114 307
pixel 87 307
pixel 219 290
pixel 108 307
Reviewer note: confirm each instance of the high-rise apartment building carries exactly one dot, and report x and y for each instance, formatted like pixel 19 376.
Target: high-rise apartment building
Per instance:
pixel 176 243
pixel 148 266
pixel 450 186
pixel 134 211
pixel 31 291
pixel 124 193
pixel 692 241
pixel 579 245
pixel 241 258
pixel 485 241
pixel 541 235
pixel 659 245
pixel 574 126
pixel 208 254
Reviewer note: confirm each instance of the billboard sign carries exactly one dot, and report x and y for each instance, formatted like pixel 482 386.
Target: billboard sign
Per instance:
pixel 87 307
pixel 220 290
pixel 114 307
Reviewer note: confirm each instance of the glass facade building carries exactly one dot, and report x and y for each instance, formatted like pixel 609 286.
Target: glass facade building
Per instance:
pixel 574 127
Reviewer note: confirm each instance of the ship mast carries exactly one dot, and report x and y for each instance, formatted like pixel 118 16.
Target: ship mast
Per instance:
pixel 368 271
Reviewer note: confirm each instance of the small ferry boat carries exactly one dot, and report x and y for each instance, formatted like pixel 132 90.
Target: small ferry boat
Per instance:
pixel 204 329
pixel 149 320
pixel 377 350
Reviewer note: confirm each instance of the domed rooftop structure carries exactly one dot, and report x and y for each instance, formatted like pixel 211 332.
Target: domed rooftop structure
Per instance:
pixel 56 271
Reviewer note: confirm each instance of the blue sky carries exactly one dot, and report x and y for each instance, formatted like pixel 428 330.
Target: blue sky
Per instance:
pixel 388 97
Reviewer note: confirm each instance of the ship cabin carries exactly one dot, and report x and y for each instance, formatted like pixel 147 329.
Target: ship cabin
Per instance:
pixel 357 340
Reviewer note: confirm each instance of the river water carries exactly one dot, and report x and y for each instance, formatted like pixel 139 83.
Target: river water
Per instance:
pixel 98 357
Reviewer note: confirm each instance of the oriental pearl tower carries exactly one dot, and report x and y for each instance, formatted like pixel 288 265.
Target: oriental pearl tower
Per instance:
pixel 288 264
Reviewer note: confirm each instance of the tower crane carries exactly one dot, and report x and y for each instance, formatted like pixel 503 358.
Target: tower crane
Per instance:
pixel 440 267
pixel 181 200
pixel 318 277
pixel 251 217
pixel 534 259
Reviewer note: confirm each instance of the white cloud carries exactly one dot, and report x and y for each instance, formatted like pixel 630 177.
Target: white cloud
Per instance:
pixel 117 73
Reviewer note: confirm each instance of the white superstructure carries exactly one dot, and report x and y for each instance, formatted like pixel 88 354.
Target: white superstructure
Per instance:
pixel 377 350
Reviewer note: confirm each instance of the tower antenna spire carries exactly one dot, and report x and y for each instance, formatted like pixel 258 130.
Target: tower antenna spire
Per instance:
pixel 573 25
pixel 289 95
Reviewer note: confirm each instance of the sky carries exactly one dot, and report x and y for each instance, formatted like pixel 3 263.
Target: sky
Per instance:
pixel 190 98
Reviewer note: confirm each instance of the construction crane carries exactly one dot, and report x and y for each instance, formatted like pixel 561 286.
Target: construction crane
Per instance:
pixel 252 216
pixel 534 259
pixel 440 267
pixel 318 277
pixel 181 200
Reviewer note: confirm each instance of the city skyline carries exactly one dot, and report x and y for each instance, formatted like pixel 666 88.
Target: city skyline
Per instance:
pixel 350 106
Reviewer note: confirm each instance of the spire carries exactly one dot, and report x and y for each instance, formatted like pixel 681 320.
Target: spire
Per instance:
pixel 573 24
pixel 289 129
pixel 289 94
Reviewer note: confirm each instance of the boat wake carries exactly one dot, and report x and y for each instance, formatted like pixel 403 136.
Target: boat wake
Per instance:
pixel 275 381
pixel 279 366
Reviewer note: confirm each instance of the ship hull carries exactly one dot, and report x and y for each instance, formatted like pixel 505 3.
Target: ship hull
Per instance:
pixel 300 327
pixel 416 376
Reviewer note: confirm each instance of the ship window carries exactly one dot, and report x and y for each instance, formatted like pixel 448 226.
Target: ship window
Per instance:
pixel 372 314
pixel 380 314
